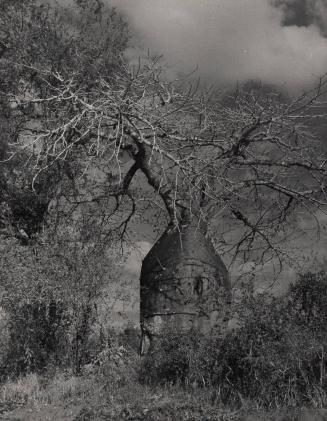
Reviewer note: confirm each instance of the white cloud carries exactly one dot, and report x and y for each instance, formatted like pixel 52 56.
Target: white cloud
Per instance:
pixel 230 40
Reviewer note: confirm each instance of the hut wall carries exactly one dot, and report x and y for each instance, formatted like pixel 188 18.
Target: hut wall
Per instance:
pixel 184 283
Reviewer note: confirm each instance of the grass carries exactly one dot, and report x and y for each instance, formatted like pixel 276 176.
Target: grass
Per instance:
pixel 100 398
pixel 101 393
pixel 21 391
pixel 37 389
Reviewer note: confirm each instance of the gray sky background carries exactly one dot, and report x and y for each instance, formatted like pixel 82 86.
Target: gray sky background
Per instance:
pixel 277 41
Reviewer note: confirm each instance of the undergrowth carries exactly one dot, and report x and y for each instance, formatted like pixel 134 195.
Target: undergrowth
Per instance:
pixel 275 358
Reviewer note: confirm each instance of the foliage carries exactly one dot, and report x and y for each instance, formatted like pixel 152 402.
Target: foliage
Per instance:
pixel 276 358
pixel 308 301
pixel 50 285
pixel 36 35
pixel 49 297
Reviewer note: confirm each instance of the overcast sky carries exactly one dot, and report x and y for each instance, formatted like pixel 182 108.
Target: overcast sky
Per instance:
pixel 276 41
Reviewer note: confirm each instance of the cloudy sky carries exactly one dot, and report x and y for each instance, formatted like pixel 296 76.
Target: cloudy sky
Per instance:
pixel 277 41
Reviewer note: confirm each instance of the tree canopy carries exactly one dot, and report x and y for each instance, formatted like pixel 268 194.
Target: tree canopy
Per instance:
pixel 74 103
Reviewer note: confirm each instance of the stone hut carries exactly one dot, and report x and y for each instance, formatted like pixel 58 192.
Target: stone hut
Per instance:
pixel 184 283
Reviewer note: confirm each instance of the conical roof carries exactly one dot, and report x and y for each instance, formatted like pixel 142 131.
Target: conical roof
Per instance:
pixel 188 241
pixel 184 283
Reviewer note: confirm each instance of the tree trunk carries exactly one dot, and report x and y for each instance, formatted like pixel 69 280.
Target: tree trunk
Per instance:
pixel 184 283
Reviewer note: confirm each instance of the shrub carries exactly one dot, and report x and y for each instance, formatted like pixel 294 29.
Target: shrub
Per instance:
pixel 35 332
pixel 277 357
pixel 42 334
pixel 308 301
pixel 172 358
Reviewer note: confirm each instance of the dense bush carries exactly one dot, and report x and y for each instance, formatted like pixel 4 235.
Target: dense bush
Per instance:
pixel 308 301
pixel 172 358
pixel 277 356
pixel 34 329
pixel 49 298
pixel 40 334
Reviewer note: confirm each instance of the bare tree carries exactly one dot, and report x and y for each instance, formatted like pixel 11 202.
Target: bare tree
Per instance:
pixel 253 159
pixel 250 158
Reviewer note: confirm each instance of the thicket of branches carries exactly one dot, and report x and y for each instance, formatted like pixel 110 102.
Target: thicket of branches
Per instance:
pixel 249 159
pixel 85 131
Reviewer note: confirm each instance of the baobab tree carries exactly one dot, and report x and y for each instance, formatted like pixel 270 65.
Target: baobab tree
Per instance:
pixel 251 158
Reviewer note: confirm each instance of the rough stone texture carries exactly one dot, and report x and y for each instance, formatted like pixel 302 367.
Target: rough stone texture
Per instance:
pixel 184 283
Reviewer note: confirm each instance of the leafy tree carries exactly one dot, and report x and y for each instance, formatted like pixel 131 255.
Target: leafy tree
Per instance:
pixel 40 36
pixel 50 286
